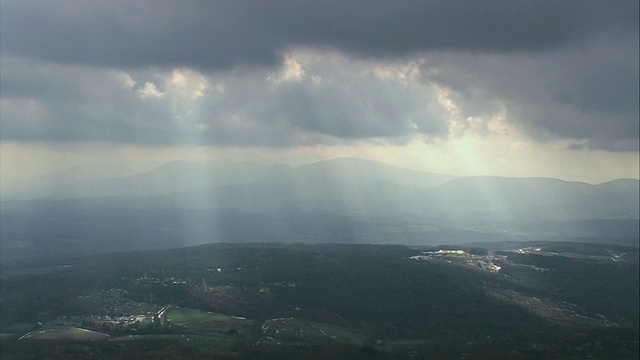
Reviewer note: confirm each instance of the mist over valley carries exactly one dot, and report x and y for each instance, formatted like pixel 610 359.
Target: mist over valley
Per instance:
pixel 336 201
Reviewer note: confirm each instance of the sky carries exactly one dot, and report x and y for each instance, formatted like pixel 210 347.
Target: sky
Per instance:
pixel 501 87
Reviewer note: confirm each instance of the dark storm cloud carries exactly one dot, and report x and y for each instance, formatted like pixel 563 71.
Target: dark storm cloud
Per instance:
pixel 561 69
pixel 365 107
pixel 51 102
pixel 590 92
pixel 221 34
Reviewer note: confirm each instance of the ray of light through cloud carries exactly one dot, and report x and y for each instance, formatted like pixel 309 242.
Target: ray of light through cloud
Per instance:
pixel 511 89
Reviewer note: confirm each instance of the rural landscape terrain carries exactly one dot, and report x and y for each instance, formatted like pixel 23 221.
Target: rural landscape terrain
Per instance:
pixel 510 300
pixel 344 258
pixel 96 209
pixel 319 179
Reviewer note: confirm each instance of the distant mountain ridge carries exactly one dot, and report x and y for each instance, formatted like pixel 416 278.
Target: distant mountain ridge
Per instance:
pixel 353 186
pixel 182 176
pixel 540 197
pixel 344 200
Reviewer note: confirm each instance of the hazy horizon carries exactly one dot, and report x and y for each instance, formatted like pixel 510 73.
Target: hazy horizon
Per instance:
pixel 125 168
pixel 440 87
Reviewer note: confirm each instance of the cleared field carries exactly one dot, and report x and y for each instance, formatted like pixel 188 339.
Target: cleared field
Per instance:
pixel 67 333
pixel 178 315
pixel 205 321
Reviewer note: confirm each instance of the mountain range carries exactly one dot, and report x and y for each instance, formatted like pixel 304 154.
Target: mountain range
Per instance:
pixel 337 200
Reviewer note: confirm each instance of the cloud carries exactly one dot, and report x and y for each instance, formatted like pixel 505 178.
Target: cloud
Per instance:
pixel 588 92
pixel 223 34
pixel 290 73
pixel 575 147
pixel 351 101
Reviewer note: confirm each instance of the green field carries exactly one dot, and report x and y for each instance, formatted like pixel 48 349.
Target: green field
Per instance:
pixel 66 333
pixel 178 315
pixel 200 321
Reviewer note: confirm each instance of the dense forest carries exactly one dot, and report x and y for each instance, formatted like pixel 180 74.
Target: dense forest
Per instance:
pixel 352 301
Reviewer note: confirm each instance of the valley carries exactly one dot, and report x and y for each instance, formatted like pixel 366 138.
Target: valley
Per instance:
pixel 345 200
pixel 521 300
pixel 345 258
